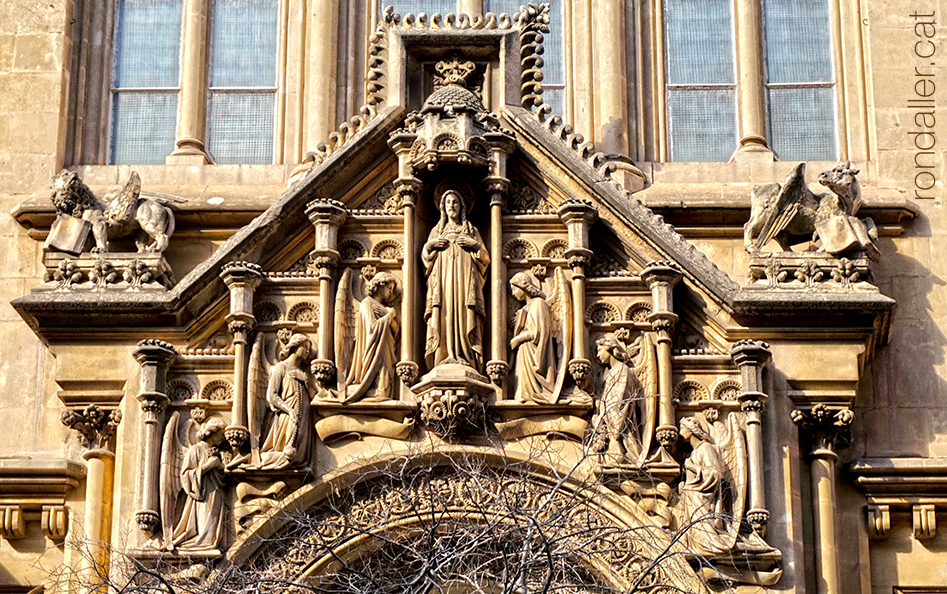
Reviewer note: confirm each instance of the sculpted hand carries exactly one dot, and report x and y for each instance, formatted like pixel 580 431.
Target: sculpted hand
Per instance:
pixel 437 244
pixel 469 244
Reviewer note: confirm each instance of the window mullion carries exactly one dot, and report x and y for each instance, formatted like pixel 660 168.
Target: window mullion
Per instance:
pixel 190 136
pixel 750 94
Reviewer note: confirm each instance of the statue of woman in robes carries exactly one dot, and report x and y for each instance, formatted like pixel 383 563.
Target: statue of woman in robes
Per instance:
pixel 455 263
pixel 288 395
pixel 542 337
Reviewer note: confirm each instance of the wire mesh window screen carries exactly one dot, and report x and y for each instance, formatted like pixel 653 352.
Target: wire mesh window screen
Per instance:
pixel 243 43
pixel 802 123
pixel 798 41
pixel 699 37
pixel 702 124
pixel 553 68
pixel 143 124
pixel 147 43
pixel 240 127
pixel 416 7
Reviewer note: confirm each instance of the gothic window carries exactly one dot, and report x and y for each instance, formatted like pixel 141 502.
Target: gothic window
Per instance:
pixel 145 82
pixel 709 115
pixel 153 103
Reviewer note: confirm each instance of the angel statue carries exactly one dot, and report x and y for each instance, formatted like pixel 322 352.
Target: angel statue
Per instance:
pixel 713 491
pixel 455 262
pixel 365 341
pixel 196 472
pixel 279 408
pixel 542 338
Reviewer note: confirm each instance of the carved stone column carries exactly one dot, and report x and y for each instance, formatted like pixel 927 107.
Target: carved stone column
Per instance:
pixel 578 215
pixel 661 277
pixel 154 356
pixel 750 92
pixel 95 428
pixel 190 141
pixel 241 278
pixel 829 429
pixel 498 367
pixel 751 357
pixel 409 189
pixel 326 216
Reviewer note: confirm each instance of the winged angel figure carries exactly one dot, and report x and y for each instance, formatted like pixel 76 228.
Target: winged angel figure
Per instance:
pixel 365 342
pixel 713 491
pixel 624 421
pixel 792 213
pixel 192 474
pixel 542 338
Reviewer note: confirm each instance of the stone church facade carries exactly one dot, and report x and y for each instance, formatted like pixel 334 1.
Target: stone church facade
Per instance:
pixel 469 296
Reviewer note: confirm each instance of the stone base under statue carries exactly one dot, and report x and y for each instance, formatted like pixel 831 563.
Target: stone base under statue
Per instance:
pixel 453 399
pixel 113 271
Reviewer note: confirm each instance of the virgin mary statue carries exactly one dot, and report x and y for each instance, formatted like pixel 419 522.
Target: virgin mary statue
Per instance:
pixel 455 262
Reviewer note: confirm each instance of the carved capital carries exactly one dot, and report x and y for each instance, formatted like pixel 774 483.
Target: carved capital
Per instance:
pixel 156 352
pixel 497 188
pixel 323 370
pixel 581 370
pixel 752 401
pixel 757 519
pixel 497 371
pixel 755 353
pixel 666 436
pixel 829 428
pixel 578 258
pixel 147 520
pixel 577 211
pixel 663 322
pixel 236 435
pixel 246 274
pixel 407 371
pixel 94 426
pixel 153 403
pixel 661 273
pixel 408 190
pixel 325 211
pixel 240 323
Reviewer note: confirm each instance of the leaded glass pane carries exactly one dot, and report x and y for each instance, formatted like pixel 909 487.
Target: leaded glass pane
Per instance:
pixel 240 127
pixel 699 35
pixel 147 43
pixel 243 50
pixel 703 124
pixel 553 97
pixel 798 41
pixel 143 126
pixel 802 124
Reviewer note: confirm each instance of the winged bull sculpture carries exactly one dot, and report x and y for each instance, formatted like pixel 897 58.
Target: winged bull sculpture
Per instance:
pixel 791 214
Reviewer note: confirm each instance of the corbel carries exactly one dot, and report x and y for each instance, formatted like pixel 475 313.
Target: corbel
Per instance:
pixel 879 521
pixel 12 522
pixel 925 521
pixel 55 521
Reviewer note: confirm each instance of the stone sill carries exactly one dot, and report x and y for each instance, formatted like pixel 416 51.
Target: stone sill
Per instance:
pixel 25 481
pixel 900 480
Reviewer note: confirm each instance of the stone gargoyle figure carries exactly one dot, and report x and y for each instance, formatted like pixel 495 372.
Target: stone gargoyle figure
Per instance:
pixel 626 408
pixel 122 213
pixel 366 333
pixel 194 471
pixel 542 338
pixel 792 214
pixel 455 263
pixel 278 406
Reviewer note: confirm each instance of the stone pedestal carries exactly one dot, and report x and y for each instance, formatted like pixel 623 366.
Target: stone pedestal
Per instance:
pixel 453 399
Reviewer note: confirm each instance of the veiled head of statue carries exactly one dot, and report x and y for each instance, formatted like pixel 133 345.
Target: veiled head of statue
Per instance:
pixel 527 282
pixel 295 342
pixel 696 429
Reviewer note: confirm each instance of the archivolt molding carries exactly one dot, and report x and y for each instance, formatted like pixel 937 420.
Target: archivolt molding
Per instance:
pixel 344 519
